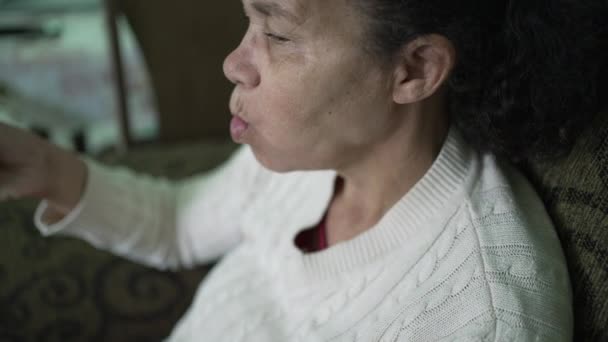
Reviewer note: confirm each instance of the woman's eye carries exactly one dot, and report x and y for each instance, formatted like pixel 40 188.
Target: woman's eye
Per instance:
pixel 276 38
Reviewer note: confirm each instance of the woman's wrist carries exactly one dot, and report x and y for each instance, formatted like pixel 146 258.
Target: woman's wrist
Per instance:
pixel 66 180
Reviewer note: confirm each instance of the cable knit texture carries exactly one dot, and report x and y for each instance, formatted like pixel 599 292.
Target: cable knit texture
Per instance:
pixel 468 254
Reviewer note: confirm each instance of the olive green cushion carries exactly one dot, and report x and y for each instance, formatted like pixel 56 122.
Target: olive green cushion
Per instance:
pixel 575 192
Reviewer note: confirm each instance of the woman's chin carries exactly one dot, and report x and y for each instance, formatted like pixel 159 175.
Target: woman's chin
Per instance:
pixel 274 162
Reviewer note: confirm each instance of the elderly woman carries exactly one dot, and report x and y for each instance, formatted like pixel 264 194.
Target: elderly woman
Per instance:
pixel 373 199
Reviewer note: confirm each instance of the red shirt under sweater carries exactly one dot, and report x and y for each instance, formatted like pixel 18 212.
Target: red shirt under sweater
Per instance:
pixel 313 239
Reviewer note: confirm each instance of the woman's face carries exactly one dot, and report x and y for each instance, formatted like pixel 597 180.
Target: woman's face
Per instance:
pixel 310 96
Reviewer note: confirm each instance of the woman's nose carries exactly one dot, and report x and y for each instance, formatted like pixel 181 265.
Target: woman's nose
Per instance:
pixel 240 69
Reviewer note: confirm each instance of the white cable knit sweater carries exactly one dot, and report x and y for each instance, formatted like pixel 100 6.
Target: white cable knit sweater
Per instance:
pixel 468 254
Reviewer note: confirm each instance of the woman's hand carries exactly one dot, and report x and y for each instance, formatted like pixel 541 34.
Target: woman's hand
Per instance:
pixel 30 167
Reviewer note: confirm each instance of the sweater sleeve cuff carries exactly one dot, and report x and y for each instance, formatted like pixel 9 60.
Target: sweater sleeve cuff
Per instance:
pixel 47 229
pixel 76 216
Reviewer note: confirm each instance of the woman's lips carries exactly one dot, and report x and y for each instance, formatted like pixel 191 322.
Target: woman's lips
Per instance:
pixel 238 127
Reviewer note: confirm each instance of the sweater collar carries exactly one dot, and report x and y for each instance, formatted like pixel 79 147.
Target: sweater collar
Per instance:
pixel 414 222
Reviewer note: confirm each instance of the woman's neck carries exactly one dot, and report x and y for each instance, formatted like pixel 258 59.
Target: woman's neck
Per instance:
pixel 382 174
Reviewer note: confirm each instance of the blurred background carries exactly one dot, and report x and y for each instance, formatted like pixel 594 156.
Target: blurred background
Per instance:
pixel 56 74
pixel 93 75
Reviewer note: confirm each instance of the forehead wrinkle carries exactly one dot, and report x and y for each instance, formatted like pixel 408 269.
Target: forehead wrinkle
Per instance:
pixel 270 8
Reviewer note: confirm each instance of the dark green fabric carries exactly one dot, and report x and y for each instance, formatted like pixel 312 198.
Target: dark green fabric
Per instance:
pixel 575 192
pixel 61 289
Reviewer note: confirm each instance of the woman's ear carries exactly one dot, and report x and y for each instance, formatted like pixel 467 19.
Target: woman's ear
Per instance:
pixel 422 67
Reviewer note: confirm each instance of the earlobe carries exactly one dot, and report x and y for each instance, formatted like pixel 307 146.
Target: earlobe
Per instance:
pixel 422 68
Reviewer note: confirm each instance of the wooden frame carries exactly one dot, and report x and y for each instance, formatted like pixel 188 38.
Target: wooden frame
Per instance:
pixel 121 93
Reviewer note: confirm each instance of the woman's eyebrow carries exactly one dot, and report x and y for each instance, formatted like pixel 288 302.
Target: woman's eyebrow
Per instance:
pixel 273 9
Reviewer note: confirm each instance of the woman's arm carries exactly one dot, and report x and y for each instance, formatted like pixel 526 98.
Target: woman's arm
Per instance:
pixel 158 222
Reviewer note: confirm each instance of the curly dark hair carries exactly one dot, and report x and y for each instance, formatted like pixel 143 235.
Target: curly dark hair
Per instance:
pixel 529 74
